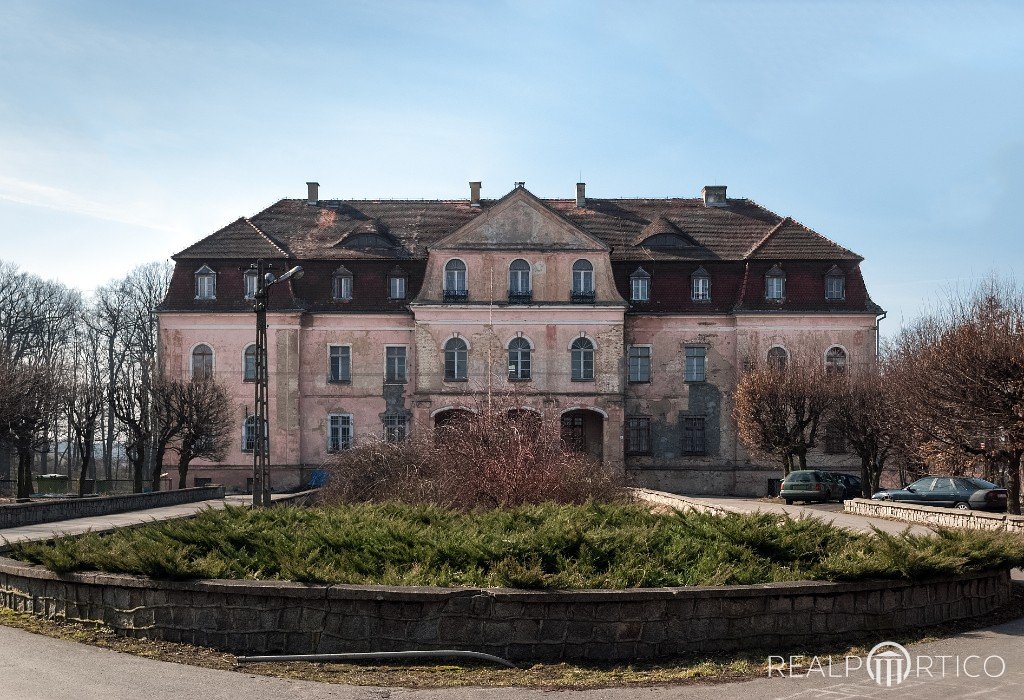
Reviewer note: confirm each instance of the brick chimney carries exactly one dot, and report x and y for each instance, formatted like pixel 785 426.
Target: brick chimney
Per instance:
pixel 714 195
pixel 474 193
pixel 312 192
pixel 581 195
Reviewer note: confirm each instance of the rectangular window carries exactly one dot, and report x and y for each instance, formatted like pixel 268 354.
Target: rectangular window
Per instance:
pixel 396 287
pixel 693 435
pixel 638 435
pixel 695 363
pixel 340 366
pixel 641 288
pixel 396 426
pixel 835 288
pixel 250 285
pixel 583 281
pixel 701 288
pixel 395 364
pixel 339 431
pixel 774 287
pixel 343 287
pixel 201 481
pixel 639 363
pixel 206 287
pixel 835 443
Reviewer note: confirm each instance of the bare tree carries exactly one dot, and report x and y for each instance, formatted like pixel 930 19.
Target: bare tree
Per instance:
pixel 779 408
pixel 962 381
pixel 202 410
pixel 866 411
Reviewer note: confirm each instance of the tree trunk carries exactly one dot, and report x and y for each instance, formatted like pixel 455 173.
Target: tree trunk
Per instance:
pixel 865 477
pixel 182 470
pixel 84 470
pixel 158 466
pixel 24 473
pixel 6 459
pixel 1013 484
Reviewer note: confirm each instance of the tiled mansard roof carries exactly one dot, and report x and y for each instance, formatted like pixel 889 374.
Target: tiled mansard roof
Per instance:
pixel 736 243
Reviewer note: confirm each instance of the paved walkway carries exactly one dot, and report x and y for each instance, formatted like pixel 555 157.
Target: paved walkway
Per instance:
pixel 104 523
pixel 34 666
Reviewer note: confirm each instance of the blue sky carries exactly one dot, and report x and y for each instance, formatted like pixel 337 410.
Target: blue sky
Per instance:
pixel 130 129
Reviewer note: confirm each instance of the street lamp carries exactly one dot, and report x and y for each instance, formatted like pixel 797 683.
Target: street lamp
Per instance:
pixel 261 447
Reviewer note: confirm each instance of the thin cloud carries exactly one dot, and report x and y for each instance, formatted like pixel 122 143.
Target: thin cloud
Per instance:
pixel 34 194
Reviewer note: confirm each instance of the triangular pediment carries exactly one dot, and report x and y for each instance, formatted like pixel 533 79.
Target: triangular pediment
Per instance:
pixel 520 221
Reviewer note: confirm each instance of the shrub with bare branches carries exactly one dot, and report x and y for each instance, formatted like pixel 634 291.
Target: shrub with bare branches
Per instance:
pixel 495 455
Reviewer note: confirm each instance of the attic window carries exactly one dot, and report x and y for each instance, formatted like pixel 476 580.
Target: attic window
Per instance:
pixel 341 284
pixel 250 277
pixel 397 283
pixel 665 240
pixel 640 285
pixel 835 284
pixel 206 283
pixel 700 285
pixel 775 284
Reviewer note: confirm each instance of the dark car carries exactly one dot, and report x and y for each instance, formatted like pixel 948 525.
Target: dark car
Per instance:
pixel 964 492
pixel 810 485
pixel 851 484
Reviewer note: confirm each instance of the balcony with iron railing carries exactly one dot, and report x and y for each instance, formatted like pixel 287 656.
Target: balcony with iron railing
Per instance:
pixel 520 297
pixel 456 295
pixel 580 296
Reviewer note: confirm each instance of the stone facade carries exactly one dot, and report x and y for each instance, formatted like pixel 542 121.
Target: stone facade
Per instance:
pixel 684 438
pixel 271 617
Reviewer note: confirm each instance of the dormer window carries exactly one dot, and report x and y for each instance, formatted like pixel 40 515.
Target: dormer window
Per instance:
pixel 250 279
pixel 206 283
pixel 341 284
pixel 397 284
pixel 835 284
pixel 775 284
pixel 640 285
pixel 700 285
pixel 455 281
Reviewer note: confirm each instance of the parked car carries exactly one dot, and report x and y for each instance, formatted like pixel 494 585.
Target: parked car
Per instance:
pixel 851 484
pixel 810 485
pixel 963 492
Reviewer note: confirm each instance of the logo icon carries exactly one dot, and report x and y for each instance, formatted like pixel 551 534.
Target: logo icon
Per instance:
pixel 889 664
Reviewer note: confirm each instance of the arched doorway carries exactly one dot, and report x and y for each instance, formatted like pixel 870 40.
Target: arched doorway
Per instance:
pixel 451 417
pixel 583 431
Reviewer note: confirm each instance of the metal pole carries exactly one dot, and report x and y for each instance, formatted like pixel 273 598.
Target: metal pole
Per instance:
pixel 261 448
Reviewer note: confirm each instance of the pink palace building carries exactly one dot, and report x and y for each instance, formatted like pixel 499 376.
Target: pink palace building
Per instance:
pixel 627 320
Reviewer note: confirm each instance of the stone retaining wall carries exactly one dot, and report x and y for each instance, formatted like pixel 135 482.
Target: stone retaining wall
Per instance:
pixel 677 502
pixel 270 617
pixel 18 514
pixel 930 515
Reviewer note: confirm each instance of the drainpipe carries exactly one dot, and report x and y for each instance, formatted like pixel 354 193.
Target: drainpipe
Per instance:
pixel 878 335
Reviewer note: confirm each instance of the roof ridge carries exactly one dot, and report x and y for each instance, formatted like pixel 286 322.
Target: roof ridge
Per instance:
pixel 270 240
pixel 768 235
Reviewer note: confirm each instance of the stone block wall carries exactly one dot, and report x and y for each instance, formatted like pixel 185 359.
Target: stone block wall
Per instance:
pixel 272 617
pixel 19 514
pixel 931 515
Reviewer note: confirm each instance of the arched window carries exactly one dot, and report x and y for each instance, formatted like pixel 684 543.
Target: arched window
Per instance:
pixel 519 288
pixel 835 284
pixel 775 284
pixel 455 281
pixel 341 284
pixel 582 281
pixel 640 285
pixel 835 360
pixel 700 285
pixel 456 357
pixel 206 283
pixel 249 364
pixel 202 362
pixel 519 359
pixel 777 358
pixel 582 360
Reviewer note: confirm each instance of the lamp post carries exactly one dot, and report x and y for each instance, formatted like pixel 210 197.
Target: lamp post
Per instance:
pixel 261 446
